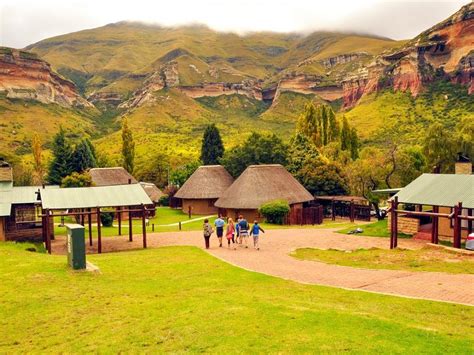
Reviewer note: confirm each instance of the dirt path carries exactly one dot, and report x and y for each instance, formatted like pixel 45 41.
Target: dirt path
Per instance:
pixel 273 259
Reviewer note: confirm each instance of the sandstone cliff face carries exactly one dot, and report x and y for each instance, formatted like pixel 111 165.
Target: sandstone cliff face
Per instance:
pixel 23 76
pixel 445 48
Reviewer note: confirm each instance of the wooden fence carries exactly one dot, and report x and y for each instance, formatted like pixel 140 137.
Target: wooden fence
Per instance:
pixel 306 215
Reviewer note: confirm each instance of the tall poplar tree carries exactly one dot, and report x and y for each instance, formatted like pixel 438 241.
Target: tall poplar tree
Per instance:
pixel 212 148
pixel 128 148
pixel 345 135
pixel 37 159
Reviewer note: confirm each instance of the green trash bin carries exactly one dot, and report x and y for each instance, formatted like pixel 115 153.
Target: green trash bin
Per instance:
pixel 76 246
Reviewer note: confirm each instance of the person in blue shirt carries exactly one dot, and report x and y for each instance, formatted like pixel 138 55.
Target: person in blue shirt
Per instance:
pixel 219 223
pixel 244 230
pixel 255 231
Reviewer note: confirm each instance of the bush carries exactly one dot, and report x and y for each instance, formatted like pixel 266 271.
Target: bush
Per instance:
pixel 164 201
pixel 275 211
pixel 107 219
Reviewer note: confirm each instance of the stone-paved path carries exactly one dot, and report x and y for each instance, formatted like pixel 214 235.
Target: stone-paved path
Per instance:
pixel 273 259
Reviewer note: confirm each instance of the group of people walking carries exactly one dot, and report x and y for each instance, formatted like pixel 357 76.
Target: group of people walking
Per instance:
pixel 236 232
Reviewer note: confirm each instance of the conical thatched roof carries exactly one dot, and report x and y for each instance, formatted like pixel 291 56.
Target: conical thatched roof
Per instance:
pixel 153 192
pixel 259 184
pixel 208 181
pixel 111 176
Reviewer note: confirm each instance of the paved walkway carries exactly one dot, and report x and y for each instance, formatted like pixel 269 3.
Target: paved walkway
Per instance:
pixel 274 259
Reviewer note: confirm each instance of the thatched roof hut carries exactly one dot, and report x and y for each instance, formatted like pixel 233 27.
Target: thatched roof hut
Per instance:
pixel 200 192
pixel 259 184
pixel 111 176
pixel 153 192
pixel 207 182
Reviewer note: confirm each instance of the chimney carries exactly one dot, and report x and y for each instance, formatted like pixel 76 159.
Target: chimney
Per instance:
pixel 6 171
pixel 463 165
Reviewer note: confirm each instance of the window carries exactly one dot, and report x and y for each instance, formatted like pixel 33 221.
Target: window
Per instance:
pixel 25 213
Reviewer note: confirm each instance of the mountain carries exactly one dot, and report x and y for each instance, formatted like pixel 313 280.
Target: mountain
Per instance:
pixel 170 82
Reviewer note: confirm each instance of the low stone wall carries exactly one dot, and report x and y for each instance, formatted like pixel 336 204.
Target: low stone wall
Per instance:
pixel 406 225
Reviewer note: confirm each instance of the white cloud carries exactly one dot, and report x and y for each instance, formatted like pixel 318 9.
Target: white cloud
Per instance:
pixel 23 22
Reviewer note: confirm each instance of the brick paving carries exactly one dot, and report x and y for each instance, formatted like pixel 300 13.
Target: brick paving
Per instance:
pixel 273 259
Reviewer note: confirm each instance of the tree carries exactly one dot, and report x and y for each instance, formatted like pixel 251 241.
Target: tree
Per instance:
pixel 179 176
pixel 60 165
pixel 212 148
pixel 77 180
pixel 439 147
pixel 128 148
pixel 154 169
pixel 308 124
pixel 38 169
pixel 354 146
pixel 345 134
pixel 465 137
pixel 83 157
pixel 300 151
pixel 334 130
pixel 257 149
pixel 323 178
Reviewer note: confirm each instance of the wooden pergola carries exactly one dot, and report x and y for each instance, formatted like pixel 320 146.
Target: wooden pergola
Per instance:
pixel 455 192
pixel 89 202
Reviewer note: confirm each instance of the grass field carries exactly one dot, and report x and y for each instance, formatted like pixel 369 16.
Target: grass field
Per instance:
pixel 180 299
pixel 376 229
pixel 426 259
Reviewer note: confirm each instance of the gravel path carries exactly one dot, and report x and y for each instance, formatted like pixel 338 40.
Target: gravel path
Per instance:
pixel 273 259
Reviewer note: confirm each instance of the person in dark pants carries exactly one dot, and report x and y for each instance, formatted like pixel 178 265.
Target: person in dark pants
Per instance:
pixel 207 229
pixel 219 223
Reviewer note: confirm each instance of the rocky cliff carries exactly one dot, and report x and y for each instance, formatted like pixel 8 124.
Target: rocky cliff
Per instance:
pixel 445 50
pixel 24 76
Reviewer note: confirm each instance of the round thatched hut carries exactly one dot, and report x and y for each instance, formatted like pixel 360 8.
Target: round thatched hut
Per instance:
pixel 259 184
pixel 203 188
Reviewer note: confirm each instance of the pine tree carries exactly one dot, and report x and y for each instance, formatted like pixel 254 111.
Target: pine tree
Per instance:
pixel 212 148
pixel 60 165
pixel 345 135
pixel 128 148
pixel 37 160
pixel 83 157
pixel 354 144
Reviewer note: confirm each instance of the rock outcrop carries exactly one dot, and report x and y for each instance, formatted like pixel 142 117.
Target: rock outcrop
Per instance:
pixel 24 76
pixel 446 49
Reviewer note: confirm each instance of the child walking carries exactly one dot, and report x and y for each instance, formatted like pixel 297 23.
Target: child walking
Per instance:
pixel 207 229
pixel 230 232
pixel 255 231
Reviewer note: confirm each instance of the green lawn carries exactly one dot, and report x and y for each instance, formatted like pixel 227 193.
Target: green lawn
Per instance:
pixel 426 259
pixel 376 229
pixel 165 216
pixel 180 299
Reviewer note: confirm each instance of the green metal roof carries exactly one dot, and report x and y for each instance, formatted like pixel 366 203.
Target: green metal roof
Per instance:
pixel 5 209
pixel 98 196
pixel 387 191
pixel 439 190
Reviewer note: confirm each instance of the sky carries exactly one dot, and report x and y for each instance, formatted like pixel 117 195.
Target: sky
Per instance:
pixel 23 22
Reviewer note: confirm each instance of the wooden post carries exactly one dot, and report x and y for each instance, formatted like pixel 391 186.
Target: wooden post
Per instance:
pixel 393 223
pixel 118 210
pixel 99 236
pixel 89 222
pixel 189 211
pixel 48 234
pixel 469 222
pixel 351 211
pixel 395 240
pixel 82 218
pixel 333 209
pixel 457 225
pixel 435 226
pixel 130 231
pixel 179 225
pixel 144 225
pixel 153 227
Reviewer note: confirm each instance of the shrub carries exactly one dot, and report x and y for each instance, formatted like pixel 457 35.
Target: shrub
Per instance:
pixel 107 219
pixel 275 211
pixel 164 200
